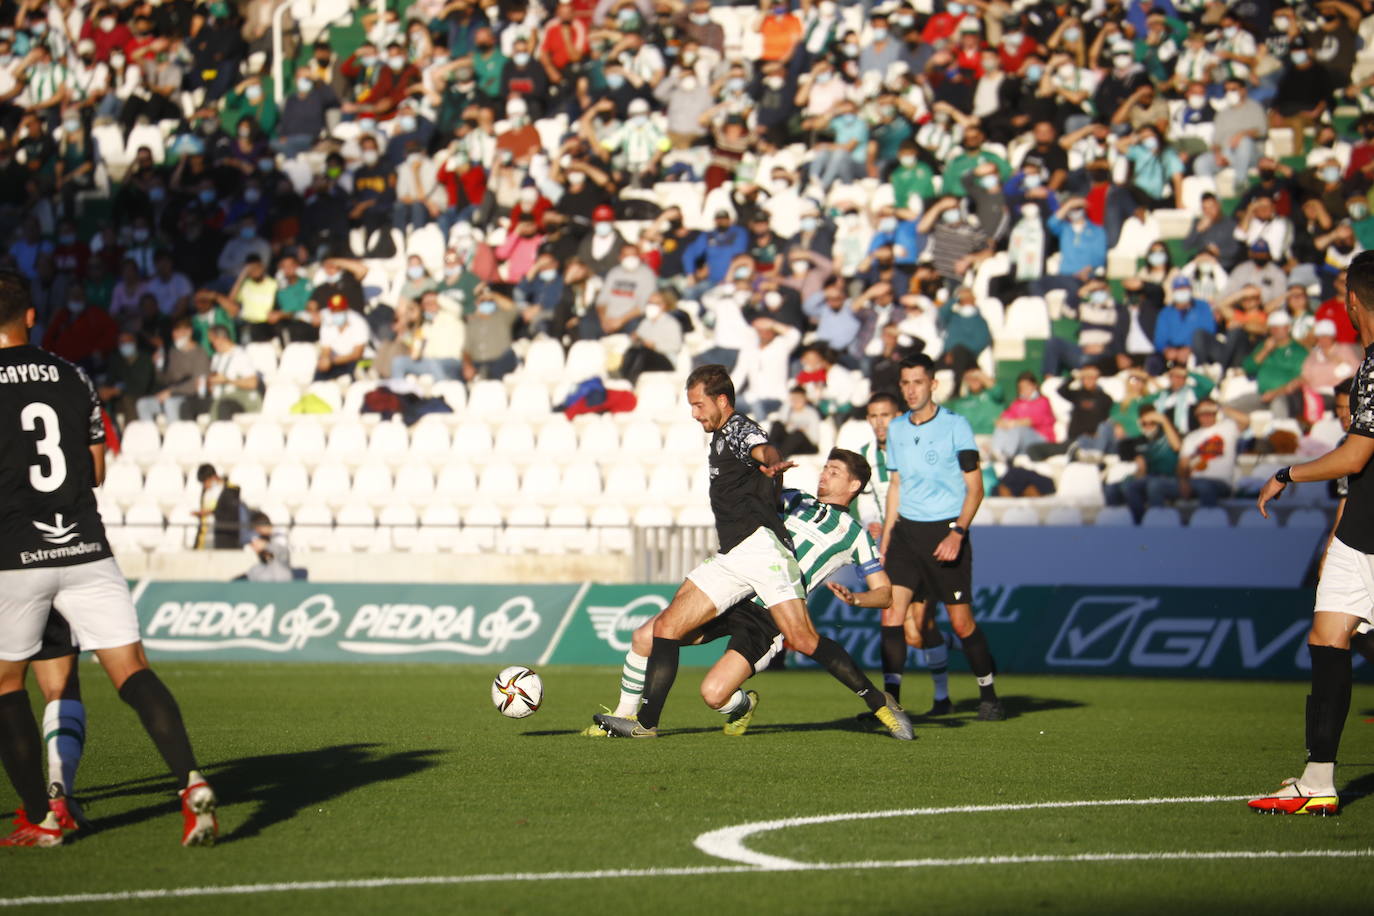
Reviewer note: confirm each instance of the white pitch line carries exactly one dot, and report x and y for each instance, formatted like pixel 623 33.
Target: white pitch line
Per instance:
pixel 728 842
pixel 178 893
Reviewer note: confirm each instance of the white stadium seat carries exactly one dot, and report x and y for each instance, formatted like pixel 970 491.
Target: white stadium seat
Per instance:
pixel 641 438
pixel 164 484
pixel 439 528
pixel 498 485
pixel 389 443
pixel 355 527
pixel 181 444
pixel 456 484
pixel 414 484
pixel 348 442
pixel 402 525
pixel 123 483
pixel 481 525
pixel 279 398
pixel 429 441
pixel 611 523
pixel 472 439
pixel 514 441
pixel 487 400
pixel 298 363
pixel 288 483
pixel 264 442
pixel 581 484
pixel 529 400
pixel 312 528
pixel 251 480
pixel 557 436
pixel 141 442
pixel 306 443
pixel 223 442
pixel 144 522
pixel 599 438
pixel 540 484
pixel 371 484
pixel 330 485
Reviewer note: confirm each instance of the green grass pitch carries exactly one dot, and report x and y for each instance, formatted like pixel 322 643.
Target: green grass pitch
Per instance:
pixel 345 773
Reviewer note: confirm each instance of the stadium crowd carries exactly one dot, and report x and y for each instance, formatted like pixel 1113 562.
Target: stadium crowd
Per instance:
pixel 1120 228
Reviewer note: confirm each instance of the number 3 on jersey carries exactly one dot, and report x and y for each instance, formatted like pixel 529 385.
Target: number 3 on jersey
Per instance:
pixel 42 419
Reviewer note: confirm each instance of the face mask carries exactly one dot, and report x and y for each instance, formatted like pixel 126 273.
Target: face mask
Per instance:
pixel 1121 61
pixel 630 264
pixel 548 275
pixel 1078 218
pixel 701 18
pixel 1358 211
pixel 824 77
pixel 1072 34
pixel 1183 297
pixel 799 268
pixel 1013 40
pixel 1331 174
pixel 808 223
pixel 652 311
pixel 1066 73
pixel 247 232
pixel 1299 57
pixel 1157 258
pixel 1281 25
pixel 990 182
pixel 850 50
pixel 887 224
pixel 253 93
pixel 780 185
pixel 140 235
pixel 486 307
pixel 72 125
pixel 1099 297
pixel 1230 31
pixel 76 308
pixel 338 319
pixel 415 271
pixel 955 9
pixel 576 180
pixel 603 229
pixel 1150 142
pixel 1032 180
pixel 181 341
pixel 880 34
pixel 1233 99
pixel 406 123
pixel 452 270
pixel 206 196
pixel 369 157
pixel 304 85
pixel 368 60
pixel 907 161
pixel 1197 100
pixel 107 23
pixel 1030 211
pixel 128 350
pixel 950 217
pixel 396 63
pixel 966 309
pixel 67 238
pixel 332 278
pixel 521 58
pixel 742 273
pixel 687 84
pixel 615 80
pixel 735 84
pixel 774 82
pixel 245 131
pixel 1034 72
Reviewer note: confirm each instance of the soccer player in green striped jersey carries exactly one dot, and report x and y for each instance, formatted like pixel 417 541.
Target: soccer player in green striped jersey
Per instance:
pixel 826 538
pixel 869 508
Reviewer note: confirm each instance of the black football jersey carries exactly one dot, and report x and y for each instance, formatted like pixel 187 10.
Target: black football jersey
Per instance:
pixel 742 497
pixel 49 418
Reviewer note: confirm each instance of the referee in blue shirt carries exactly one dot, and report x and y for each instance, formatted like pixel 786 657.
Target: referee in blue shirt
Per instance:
pixel 933 493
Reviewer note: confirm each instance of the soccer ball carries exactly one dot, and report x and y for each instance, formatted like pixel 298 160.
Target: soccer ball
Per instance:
pixel 517 692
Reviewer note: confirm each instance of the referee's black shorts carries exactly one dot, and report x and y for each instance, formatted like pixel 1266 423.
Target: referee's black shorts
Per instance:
pixel 911 563
pixel 751 632
pixel 57 639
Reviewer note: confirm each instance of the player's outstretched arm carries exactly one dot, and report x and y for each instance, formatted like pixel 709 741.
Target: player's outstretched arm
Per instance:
pixel 770 460
pixel 1348 458
pixel 879 592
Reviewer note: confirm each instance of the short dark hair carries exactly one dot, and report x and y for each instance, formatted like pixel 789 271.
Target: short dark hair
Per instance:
pixel 1028 376
pixel 1343 387
pixel 1359 279
pixel 15 299
pixel 714 380
pixel 205 472
pixel 856 464
pixel 258 519
pixel 919 361
pixel 888 396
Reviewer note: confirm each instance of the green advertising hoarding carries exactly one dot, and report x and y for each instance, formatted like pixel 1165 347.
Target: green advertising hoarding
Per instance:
pixel 321 622
pixel 1179 632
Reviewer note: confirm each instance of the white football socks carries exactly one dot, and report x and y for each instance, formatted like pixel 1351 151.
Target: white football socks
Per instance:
pixel 631 684
pixel 937 660
pixel 64 735
pixel 1318 779
pixel 738 702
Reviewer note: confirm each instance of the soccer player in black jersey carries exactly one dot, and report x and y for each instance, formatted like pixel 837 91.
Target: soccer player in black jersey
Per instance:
pixel 53 554
pixel 1345 590
pixel 755 558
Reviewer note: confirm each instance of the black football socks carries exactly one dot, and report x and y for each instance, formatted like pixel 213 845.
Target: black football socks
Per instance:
pixel 980 661
pixel 658 679
pixel 831 656
pixel 161 718
pixel 894 659
pixel 1329 703
pixel 21 752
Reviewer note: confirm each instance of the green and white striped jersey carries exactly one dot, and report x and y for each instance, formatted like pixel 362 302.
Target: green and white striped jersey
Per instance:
pixel 871 504
pixel 826 538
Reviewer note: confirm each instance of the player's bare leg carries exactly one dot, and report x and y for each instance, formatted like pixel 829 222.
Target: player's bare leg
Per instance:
pixel 21 753
pixel 64 734
pixel 127 667
pixel 921 633
pixel 1314 792
pixel 721 691
pixel 793 621
pixel 979 656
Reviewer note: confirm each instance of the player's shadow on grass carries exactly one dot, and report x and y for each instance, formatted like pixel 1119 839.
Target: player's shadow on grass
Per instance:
pixel 277 785
pixel 1358 789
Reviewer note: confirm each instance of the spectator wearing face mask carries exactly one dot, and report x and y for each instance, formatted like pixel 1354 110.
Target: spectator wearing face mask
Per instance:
pixel 842 159
pixel 392 79
pixel 129 375
pixel 436 346
pixel 1082 249
pixel 181 374
pixel 80 332
pixel 517 252
pixel 1027 421
pixel 957 244
pixel 1178 328
pixel 1239 129
pixel 1259 270
pixel 489 331
pixel 236 252
pixel 1303 92
pixel 1156 465
pixel 344 338
pixel 1213 232
pixel 624 294
pixel 1100 338
pixel 966 334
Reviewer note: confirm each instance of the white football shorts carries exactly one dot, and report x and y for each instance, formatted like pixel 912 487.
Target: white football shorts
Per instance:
pixel 1346 585
pixel 759 565
pixel 92 596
